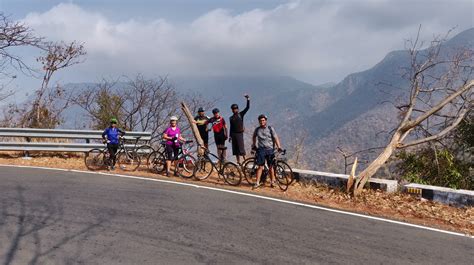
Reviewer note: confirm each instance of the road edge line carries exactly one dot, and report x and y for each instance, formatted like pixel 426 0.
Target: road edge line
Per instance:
pixel 250 195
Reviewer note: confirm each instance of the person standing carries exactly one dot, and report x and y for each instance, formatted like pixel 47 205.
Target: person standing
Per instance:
pixel 201 121
pixel 265 140
pixel 111 136
pixel 219 128
pixel 237 130
pixel 173 138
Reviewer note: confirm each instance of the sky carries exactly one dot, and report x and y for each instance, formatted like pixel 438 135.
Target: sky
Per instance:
pixel 316 41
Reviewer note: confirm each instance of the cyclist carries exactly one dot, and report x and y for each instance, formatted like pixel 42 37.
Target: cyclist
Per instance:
pixel 173 138
pixel 201 120
pixel 111 136
pixel 220 132
pixel 267 140
pixel 237 129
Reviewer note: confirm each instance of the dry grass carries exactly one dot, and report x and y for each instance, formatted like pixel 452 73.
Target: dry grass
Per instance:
pixel 402 207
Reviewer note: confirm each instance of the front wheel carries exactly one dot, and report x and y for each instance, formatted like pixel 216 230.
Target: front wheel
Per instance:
pixel 156 162
pixel 284 175
pixel 231 173
pixel 185 166
pixel 94 159
pixel 203 168
pixel 249 169
pixel 128 161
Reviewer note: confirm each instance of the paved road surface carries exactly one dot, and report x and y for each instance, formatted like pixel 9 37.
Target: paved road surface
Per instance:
pixel 54 217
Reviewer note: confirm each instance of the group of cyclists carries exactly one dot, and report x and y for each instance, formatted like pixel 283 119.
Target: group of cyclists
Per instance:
pixel 264 139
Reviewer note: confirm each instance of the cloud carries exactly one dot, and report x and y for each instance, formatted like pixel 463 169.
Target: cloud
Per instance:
pixel 317 41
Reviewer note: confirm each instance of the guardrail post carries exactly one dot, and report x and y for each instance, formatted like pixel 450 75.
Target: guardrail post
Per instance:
pixel 27 153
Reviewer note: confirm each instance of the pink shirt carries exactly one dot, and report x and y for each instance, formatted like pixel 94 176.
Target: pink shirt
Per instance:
pixel 170 132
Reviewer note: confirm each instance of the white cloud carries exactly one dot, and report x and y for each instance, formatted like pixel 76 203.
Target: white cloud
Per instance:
pixel 317 41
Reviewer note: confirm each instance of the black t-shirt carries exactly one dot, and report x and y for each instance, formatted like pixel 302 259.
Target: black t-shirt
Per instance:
pixel 202 127
pixel 237 120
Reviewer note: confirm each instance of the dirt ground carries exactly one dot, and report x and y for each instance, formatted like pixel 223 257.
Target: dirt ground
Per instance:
pixel 395 206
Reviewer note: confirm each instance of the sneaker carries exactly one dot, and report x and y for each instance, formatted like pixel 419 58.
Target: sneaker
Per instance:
pixel 112 168
pixel 256 186
pixel 167 173
pixel 272 184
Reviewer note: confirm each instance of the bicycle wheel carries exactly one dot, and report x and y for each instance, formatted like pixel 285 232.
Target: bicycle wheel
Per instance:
pixel 231 173
pixel 185 166
pixel 249 169
pixel 156 162
pixel 128 161
pixel 284 175
pixel 144 151
pixel 94 159
pixel 203 168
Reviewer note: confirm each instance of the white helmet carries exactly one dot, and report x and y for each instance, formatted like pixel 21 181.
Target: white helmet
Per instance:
pixel 174 118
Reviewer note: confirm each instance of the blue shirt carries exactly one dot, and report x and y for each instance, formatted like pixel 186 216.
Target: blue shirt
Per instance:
pixel 113 134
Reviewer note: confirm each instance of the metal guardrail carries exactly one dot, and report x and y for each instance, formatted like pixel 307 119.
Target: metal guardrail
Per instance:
pixel 86 135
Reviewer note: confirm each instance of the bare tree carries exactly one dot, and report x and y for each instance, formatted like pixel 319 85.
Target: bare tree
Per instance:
pixel 45 109
pixel 139 104
pixel 13 35
pixel 439 96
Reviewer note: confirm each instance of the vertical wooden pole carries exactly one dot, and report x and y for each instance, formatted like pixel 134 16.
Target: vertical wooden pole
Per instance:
pixel 193 126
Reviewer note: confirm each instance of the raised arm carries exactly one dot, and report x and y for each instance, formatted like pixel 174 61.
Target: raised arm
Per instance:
pixel 242 113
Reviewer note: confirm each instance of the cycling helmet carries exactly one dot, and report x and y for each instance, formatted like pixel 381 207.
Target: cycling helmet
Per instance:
pixel 113 120
pixel 201 110
pixel 262 116
pixel 173 118
pixel 216 110
pixel 234 106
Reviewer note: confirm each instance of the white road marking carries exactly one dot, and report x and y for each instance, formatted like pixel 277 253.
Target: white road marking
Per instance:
pixel 251 195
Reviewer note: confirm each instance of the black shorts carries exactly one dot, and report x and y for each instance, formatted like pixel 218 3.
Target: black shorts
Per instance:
pixel 238 146
pixel 219 138
pixel 204 137
pixel 265 155
pixel 171 152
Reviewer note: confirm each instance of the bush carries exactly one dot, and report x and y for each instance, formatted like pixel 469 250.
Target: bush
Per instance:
pixel 435 167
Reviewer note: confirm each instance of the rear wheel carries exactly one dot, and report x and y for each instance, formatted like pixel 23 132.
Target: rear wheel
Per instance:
pixel 156 162
pixel 231 173
pixel 94 159
pixel 128 161
pixel 203 168
pixel 144 151
pixel 249 169
pixel 284 175
pixel 185 166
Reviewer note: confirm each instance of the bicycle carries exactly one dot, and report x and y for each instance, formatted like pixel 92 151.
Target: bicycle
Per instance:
pixel 208 162
pixel 184 167
pixel 128 160
pixel 283 172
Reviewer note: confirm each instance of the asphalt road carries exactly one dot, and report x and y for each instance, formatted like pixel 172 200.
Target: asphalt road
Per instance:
pixel 54 217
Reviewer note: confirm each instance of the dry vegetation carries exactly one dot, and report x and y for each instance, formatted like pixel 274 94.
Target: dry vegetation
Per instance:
pixel 396 206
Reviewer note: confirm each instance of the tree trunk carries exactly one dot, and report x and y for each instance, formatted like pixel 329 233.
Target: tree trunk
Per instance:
pixel 377 163
pixel 193 126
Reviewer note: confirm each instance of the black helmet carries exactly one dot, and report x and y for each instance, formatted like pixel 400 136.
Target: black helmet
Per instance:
pixel 200 109
pixel 216 110
pixel 234 106
pixel 262 116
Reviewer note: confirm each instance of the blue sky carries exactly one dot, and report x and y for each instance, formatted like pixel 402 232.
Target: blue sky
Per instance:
pixel 316 41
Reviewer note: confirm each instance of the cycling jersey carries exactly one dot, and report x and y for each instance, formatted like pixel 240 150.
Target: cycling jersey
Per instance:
pixel 170 132
pixel 113 134
pixel 217 124
pixel 237 120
